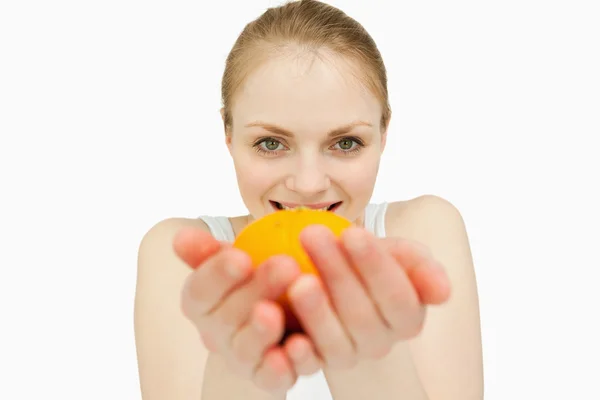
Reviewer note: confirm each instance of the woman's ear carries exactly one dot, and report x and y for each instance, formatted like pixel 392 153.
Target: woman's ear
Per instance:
pixel 384 133
pixel 222 112
pixel 227 134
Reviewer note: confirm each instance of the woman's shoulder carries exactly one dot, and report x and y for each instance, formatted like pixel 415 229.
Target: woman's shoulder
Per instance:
pixel 420 213
pixel 174 224
pixel 165 230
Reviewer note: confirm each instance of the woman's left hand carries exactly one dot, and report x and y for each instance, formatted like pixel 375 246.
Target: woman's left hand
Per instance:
pixel 371 294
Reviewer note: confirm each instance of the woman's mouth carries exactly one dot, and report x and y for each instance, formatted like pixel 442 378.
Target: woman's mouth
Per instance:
pixel 291 206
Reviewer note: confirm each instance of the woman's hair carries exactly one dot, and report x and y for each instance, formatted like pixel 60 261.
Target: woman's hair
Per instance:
pixel 312 26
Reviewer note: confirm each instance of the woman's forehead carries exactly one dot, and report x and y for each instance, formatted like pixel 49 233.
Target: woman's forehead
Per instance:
pixel 291 90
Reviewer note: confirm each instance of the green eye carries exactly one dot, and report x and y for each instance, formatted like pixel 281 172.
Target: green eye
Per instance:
pixel 271 145
pixel 346 144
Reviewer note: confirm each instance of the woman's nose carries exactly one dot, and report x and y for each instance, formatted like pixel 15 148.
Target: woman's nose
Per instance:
pixel 308 179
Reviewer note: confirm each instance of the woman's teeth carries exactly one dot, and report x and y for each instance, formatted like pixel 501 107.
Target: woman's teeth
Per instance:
pixel 284 207
pixel 293 208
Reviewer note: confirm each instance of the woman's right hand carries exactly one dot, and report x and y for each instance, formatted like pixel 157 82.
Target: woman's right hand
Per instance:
pixel 235 311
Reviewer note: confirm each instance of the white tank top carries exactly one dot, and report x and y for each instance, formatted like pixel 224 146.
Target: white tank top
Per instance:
pixel 315 386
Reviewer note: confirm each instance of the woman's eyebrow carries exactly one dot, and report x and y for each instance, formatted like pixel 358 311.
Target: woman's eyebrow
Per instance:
pixel 284 132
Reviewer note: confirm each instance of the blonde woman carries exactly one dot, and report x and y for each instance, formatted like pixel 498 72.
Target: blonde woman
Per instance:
pixel 394 314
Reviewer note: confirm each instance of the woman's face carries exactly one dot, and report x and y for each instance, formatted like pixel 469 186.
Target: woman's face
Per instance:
pixel 306 133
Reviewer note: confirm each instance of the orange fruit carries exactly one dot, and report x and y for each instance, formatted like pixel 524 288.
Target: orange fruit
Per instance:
pixel 278 233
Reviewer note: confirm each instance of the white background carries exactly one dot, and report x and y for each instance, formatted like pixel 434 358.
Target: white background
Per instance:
pixel 109 123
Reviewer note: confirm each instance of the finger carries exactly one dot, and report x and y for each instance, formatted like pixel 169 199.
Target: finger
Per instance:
pixel 270 281
pixel 263 330
pixel 302 354
pixel 311 305
pixel 427 275
pixel 386 282
pixel 275 373
pixel 354 307
pixel 206 287
pixel 209 342
pixel 194 246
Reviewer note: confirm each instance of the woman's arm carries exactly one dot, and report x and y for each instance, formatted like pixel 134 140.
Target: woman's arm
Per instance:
pixel 393 377
pixel 172 359
pixel 445 361
pixel 221 384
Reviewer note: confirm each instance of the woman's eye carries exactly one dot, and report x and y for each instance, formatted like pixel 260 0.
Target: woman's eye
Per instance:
pixel 346 144
pixel 271 145
pixel 350 145
pixel 268 146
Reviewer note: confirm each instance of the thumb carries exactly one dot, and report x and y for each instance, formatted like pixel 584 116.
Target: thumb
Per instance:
pixel 194 246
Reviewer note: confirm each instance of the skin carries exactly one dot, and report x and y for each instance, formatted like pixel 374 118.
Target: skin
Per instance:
pixel 308 98
pixel 393 317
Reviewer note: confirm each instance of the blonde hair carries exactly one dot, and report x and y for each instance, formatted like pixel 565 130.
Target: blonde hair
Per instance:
pixel 313 26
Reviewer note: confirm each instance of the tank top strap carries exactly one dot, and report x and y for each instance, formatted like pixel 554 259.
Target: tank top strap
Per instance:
pixel 220 227
pixel 375 218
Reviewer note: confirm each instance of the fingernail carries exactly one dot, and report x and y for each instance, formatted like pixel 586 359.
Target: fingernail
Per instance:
pixel 281 270
pixel 305 291
pixel 234 271
pixel 298 353
pixel 258 325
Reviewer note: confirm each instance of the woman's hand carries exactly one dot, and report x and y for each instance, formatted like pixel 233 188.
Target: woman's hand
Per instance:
pixel 235 311
pixel 372 293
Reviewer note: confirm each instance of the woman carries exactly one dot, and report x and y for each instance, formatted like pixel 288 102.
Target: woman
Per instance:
pixel 305 113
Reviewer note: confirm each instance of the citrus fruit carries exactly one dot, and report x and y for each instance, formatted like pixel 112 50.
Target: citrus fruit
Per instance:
pixel 278 233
